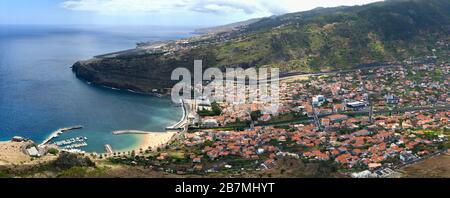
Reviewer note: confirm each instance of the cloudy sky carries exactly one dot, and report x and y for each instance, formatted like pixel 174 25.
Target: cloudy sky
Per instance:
pixel 153 12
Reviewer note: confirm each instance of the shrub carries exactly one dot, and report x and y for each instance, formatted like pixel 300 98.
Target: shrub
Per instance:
pixel 53 151
pixel 70 160
pixel 4 175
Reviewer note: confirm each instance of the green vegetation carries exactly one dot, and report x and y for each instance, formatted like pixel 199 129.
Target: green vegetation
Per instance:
pixel 82 172
pixel 255 115
pixel 69 160
pixel 53 151
pixel 238 162
pixel 288 118
pixel 177 155
pixel 338 38
pixel 239 125
pixel 317 40
pixel 215 110
pixel 4 175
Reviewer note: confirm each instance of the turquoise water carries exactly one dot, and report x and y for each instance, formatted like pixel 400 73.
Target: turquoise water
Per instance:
pixel 39 94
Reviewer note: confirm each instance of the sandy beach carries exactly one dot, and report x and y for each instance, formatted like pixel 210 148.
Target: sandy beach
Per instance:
pixel 155 140
pixel 152 140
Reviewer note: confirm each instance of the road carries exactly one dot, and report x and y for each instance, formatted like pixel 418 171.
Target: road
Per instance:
pixel 287 76
pixel 316 117
pixel 400 110
pixel 184 122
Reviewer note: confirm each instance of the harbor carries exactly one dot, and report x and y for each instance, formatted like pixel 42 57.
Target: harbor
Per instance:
pixel 152 139
pixel 58 133
pixel 73 143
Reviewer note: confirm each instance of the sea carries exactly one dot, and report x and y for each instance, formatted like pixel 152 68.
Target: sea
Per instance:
pixel 39 94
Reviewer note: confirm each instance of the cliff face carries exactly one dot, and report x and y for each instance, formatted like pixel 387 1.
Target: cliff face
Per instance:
pixel 141 73
pixel 96 72
pixel 116 73
pixel 317 40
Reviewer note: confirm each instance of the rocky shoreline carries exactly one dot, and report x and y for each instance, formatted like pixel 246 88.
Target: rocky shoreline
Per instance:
pixel 136 84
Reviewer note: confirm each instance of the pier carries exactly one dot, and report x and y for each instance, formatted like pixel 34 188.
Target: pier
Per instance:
pixel 58 133
pixel 72 143
pixel 136 132
pixel 109 149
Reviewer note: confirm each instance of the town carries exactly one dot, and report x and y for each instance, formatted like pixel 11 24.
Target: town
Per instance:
pixel 367 123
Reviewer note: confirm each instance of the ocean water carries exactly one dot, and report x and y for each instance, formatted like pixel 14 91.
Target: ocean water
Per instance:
pixel 39 93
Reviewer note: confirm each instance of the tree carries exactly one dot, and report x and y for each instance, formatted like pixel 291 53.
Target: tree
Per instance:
pixel 209 143
pixel 69 160
pixel 53 151
pixel 216 108
pixel 255 115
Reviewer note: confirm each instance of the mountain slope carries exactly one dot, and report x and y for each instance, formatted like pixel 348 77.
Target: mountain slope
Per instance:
pixel 317 40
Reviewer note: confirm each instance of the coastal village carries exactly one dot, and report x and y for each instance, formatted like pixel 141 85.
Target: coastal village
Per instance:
pixel 368 120
pixel 361 90
pixel 367 123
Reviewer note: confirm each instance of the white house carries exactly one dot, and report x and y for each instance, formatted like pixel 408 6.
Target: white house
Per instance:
pixel 33 152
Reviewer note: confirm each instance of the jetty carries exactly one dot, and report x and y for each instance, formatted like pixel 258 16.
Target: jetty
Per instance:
pixel 109 149
pixel 136 132
pixel 59 132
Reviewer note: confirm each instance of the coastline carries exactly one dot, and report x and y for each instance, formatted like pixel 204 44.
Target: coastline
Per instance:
pixel 152 140
pixel 153 94
pixel 57 117
pixel 147 140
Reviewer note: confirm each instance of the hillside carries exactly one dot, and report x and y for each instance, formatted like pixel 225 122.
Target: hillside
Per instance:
pixel 226 28
pixel 317 40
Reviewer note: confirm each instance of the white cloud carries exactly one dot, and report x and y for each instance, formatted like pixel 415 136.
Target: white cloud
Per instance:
pixel 259 7
pixel 255 8
pixel 122 6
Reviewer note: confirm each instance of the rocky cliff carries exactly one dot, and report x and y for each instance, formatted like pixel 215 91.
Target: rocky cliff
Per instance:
pixel 316 40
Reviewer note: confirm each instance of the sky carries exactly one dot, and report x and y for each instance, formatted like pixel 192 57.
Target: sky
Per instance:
pixel 153 12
